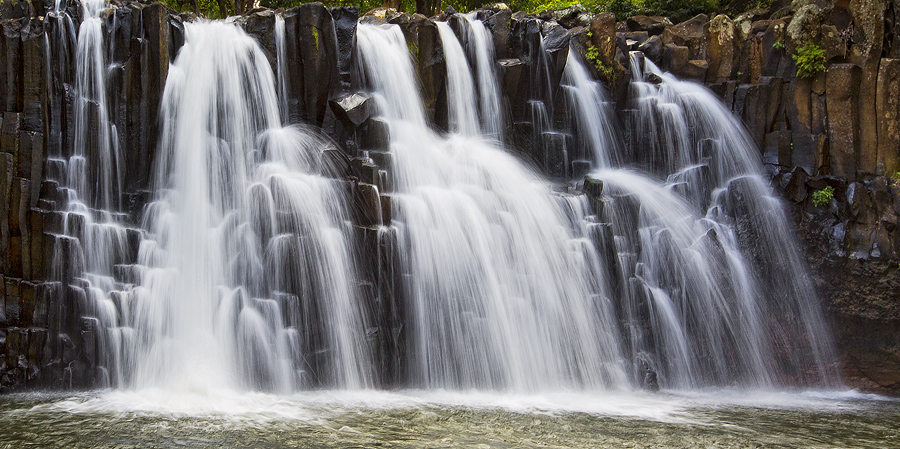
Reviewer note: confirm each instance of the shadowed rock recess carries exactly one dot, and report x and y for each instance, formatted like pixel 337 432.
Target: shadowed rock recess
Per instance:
pixel 659 266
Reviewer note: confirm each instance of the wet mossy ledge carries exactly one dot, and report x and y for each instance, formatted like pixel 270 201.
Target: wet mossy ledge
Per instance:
pixel 816 82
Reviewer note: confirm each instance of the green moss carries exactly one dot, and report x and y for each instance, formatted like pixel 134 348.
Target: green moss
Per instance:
pixel 593 56
pixel 810 60
pixel 823 196
pixel 315 35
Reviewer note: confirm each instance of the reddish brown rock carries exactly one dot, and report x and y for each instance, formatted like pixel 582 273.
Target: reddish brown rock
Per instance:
pixel 720 48
pixel 888 117
pixel 842 87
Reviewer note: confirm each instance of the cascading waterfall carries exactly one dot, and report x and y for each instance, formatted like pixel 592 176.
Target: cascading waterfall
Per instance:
pixel 594 120
pixel 248 276
pixel 504 287
pixel 744 312
pixel 94 242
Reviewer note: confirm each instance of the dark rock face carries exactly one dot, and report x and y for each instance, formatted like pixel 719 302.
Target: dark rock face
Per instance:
pixel 312 53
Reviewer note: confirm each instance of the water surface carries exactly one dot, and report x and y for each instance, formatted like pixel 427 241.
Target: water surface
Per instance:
pixel 414 419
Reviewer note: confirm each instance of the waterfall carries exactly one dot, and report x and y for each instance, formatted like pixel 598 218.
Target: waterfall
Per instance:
pixel 488 87
pixel 247 279
pixel 503 283
pixel 673 262
pixel 460 86
pixel 595 124
pixel 729 317
pixel 281 61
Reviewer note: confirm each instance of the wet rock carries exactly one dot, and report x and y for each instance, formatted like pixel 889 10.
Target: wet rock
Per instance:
pixel 366 205
pixel 500 26
pixel 629 41
pixel 352 110
pixel 431 67
pixel 674 58
pixel 344 19
pixel 312 62
pixel 155 21
pixel 10 53
pixel 379 16
pixel 510 75
pixel 335 164
pixel 652 48
pixel 33 95
pixel 261 25
pixel 653 25
pixel 374 134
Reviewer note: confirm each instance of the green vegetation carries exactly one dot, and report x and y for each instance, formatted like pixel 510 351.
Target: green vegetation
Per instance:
pixel 592 54
pixel 823 196
pixel 810 60
pixel 778 45
pixel 676 10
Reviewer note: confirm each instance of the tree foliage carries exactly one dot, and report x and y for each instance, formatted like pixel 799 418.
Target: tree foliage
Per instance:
pixel 676 10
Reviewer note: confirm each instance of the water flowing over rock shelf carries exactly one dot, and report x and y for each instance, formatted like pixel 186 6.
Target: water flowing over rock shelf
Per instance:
pixel 306 199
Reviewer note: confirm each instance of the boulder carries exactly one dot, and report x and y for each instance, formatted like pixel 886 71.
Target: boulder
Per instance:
pixel 352 110
pixel 691 34
pixel 571 17
pixel 805 27
pixel 653 25
pixel 652 48
pixel 674 58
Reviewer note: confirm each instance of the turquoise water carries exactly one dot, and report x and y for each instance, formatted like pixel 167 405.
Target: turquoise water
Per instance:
pixel 410 419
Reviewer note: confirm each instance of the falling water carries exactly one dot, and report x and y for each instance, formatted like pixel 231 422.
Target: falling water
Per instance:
pixel 94 140
pixel 488 88
pixel 595 124
pixel 745 311
pixel 281 62
pixel 504 286
pixel 460 86
pixel 248 274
